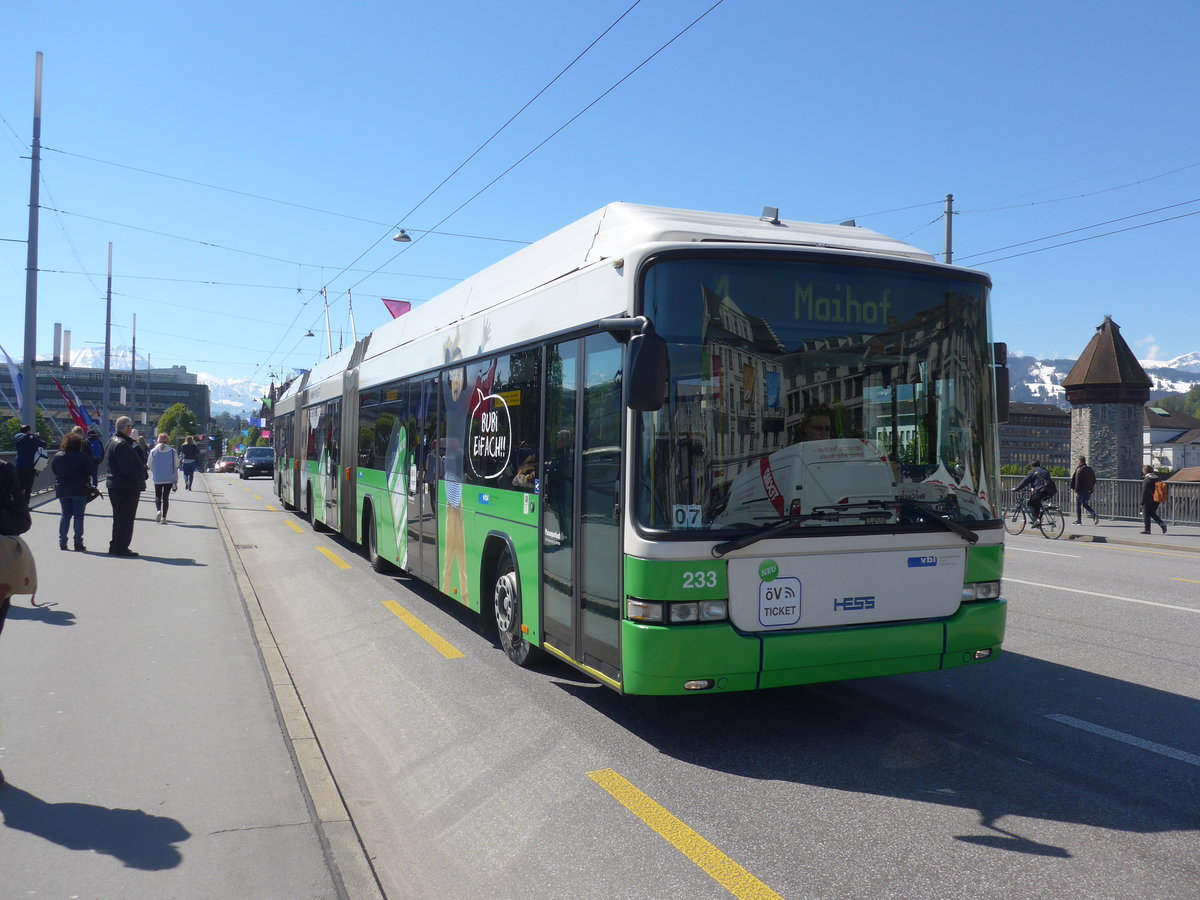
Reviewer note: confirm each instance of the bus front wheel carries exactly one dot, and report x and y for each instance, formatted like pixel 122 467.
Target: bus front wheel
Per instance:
pixel 506 602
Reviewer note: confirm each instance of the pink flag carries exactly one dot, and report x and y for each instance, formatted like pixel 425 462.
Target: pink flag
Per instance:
pixel 396 307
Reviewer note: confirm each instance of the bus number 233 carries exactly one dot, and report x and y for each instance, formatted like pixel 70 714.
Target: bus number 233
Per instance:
pixel 700 579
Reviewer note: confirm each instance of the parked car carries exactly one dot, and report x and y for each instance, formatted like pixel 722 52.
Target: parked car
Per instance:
pixel 256 461
pixel 226 464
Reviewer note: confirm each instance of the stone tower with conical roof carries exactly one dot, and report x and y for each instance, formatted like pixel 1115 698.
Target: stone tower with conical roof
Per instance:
pixel 1107 388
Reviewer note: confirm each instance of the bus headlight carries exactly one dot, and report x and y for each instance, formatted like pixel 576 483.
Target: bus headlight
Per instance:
pixel 650 611
pixel 714 610
pixel 980 590
pixel 684 613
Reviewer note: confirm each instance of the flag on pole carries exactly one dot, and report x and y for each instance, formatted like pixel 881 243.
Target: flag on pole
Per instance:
pixel 17 380
pixel 396 307
pixel 88 419
pixel 71 407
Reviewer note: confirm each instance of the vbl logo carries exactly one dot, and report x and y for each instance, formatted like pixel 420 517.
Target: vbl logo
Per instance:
pixel 918 562
pixel 852 603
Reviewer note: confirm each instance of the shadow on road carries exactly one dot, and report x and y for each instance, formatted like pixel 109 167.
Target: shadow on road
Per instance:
pixel 975 739
pixel 45 614
pixel 138 839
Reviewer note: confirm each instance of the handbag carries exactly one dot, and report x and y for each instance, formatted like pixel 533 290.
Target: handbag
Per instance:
pixel 92 493
pixel 40 459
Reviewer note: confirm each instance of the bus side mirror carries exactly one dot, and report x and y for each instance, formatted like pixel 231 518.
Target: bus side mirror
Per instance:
pixel 646 372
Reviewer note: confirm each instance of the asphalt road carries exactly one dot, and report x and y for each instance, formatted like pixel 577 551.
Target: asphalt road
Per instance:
pixel 248 710
pixel 1068 768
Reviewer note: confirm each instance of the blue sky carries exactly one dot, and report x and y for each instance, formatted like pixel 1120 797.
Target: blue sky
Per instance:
pixel 295 136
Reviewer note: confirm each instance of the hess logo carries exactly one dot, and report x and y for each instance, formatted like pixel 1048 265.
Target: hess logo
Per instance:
pixel 853 603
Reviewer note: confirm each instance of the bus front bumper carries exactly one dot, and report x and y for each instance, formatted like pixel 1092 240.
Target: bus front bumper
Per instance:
pixel 661 660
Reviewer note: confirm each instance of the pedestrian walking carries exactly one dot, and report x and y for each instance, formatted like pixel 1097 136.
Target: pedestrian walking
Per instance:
pixel 1083 483
pixel 125 482
pixel 189 458
pixel 73 469
pixel 142 447
pixel 17 572
pixel 97 451
pixel 28 442
pixel 14 520
pixel 164 472
pixel 1150 480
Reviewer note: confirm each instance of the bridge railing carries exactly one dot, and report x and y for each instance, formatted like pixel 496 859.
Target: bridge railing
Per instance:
pixel 1120 498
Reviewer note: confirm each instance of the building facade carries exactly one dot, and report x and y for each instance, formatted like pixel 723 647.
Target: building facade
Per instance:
pixel 1036 431
pixel 143 398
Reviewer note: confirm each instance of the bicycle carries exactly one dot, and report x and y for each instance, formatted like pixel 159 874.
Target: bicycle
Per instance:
pixel 1052 523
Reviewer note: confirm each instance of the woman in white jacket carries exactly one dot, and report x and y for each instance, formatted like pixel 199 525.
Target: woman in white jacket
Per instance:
pixel 164 472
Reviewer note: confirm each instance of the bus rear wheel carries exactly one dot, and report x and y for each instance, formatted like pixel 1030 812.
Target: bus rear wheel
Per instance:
pixel 371 545
pixel 506 604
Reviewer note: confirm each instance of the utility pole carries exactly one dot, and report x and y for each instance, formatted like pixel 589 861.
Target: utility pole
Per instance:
pixel 106 391
pixel 949 229
pixel 29 388
pixel 133 374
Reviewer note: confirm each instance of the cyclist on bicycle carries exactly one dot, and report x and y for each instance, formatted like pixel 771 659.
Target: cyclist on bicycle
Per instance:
pixel 1041 487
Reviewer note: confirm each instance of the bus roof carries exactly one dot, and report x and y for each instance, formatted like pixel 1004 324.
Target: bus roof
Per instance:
pixel 609 233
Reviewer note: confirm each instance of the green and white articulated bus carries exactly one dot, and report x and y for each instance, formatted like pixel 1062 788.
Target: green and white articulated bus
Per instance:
pixel 681 451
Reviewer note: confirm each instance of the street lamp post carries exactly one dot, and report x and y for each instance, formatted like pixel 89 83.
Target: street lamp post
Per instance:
pixel 29 387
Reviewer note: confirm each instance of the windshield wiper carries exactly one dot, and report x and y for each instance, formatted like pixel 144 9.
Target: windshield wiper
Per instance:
pixel 766 531
pixel 932 515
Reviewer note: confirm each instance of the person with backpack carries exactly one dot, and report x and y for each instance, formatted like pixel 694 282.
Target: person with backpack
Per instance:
pixel 1154 493
pixel 1041 488
pixel 1083 482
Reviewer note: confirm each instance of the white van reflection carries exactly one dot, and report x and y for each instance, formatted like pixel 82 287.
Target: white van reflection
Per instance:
pixel 833 475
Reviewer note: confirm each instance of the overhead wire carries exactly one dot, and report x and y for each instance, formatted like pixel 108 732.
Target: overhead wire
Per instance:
pixel 557 131
pixel 1051 237
pixel 471 156
pixel 1089 238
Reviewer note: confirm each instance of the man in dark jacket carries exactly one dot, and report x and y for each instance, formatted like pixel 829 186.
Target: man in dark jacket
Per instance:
pixel 1083 482
pixel 28 442
pixel 1041 487
pixel 1149 505
pixel 125 482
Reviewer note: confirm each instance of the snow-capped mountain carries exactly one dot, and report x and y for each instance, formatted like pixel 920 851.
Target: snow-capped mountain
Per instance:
pixel 231 395
pixel 1040 380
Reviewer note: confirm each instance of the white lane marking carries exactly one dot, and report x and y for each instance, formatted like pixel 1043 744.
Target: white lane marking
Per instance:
pixel 1162 749
pixel 1043 552
pixel 1055 587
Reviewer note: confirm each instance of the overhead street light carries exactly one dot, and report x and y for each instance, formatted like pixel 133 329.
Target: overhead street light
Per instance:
pixel 403 237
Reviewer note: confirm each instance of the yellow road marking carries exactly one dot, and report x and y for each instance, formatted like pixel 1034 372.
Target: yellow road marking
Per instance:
pixel 292 525
pixel 271 508
pixel 435 640
pixel 715 864
pixel 333 557
pixel 1188 580
pixel 255 497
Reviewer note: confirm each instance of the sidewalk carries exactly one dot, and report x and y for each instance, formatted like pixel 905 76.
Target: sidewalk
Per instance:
pixel 137 724
pixel 1128 532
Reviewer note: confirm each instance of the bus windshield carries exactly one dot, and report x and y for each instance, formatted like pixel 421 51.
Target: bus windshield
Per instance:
pixel 829 391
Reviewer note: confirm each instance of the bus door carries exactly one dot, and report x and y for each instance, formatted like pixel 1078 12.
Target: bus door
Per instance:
pixel 348 473
pixel 581 549
pixel 331 426
pixel 422 403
